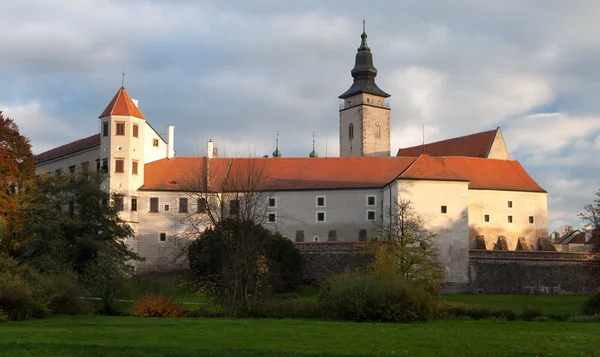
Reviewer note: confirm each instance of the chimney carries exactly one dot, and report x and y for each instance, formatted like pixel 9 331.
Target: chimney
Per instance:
pixel 588 233
pixel 170 141
pixel 210 149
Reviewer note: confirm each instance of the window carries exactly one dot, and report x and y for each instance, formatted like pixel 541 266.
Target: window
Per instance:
pixel 58 172
pixel 97 164
pixel 272 217
pixel 119 203
pixel 183 205
pixel 321 216
pixel 320 201
pixel 153 204
pixel 202 206
pixel 134 167
pixel 167 208
pixel 509 219
pixel 154 142
pixel 272 202
pixel 72 169
pixel 444 209
pixel 105 128
pixel 486 218
pixel 351 131
pixel 85 165
pixel 119 165
pixel 377 131
pixel 135 131
pixel 531 219
pixel 105 166
pixel 134 204
pixel 316 238
pixel 370 201
pixel 234 207
pixel 162 237
pixel 370 215
pixel 509 204
pixel 120 129
pixel 104 202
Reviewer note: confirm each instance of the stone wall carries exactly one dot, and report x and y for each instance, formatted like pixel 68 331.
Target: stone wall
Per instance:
pixel 322 260
pixel 518 272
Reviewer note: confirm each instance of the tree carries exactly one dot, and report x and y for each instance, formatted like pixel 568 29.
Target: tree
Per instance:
pixel 70 222
pixel 231 198
pixel 16 168
pixel 591 216
pixel 406 247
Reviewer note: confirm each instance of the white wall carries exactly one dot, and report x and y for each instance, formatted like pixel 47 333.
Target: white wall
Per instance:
pixel 89 155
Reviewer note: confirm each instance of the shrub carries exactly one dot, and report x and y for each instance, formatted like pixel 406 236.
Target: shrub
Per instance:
pixel 3 317
pixel 592 305
pixel 371 297
pixel 108 280
pixel 584 318
pixel 283 309
pixel 156 305
pixel 482 313
pixel 530 313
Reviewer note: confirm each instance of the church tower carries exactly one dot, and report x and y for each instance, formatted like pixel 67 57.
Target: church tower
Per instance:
pixel 364 110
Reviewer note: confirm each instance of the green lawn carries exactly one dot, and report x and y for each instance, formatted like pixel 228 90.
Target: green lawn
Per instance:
pixel 128 336
pixel 546 303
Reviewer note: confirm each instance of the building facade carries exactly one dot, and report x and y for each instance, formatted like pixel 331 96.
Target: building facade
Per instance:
pixel 463 188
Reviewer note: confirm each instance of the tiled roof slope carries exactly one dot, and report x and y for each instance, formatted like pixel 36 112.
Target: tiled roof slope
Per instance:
pixel 338 173
pixel 474 145
pixel 121 104
pixel 68 149
pixel 491 174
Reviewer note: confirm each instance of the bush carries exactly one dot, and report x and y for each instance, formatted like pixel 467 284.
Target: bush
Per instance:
pixel 156 305
pixel 371 297
pixel 592 305
pixel 482 313
pixel 283 309
pixel 584 318
pixel 530 313
pixel 65 296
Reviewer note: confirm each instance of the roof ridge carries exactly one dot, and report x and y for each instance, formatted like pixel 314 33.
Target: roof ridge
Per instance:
pixel 122 104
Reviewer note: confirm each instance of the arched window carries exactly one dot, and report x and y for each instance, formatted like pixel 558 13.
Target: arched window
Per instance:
pixel 377 131
pixel 351 131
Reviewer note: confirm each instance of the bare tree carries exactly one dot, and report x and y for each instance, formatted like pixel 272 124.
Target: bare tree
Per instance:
pixel 591 216
pixel 405 246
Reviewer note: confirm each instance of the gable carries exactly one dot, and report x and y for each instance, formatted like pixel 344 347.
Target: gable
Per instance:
pixel 498 148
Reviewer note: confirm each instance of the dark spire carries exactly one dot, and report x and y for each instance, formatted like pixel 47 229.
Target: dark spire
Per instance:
pixel 277 153
pixel 364 72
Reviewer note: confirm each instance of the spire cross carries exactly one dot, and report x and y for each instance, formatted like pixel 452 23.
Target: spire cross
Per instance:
pixel 122 78
pixel 364 25
pixel 313 141
pixel 277 140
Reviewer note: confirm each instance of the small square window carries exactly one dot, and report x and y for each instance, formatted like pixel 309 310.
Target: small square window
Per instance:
pixel 154 142
pixel 320 216
pixel 120 129
pixel 119 165
pixel 134 204
pixel 153 204
pixel 105 128
pixel 272 202
pixel 272 217
pixel 509 204
pixel 119 203
pixel 105 166
pixel 531 219
pixel 370 201
pixel 201 205
pixel 234 207
pixel 134 167
pixel 183 205
pixel 510 219
pixel 135 131
pixel 162 237
pixel 370 215
pixel 167 208
pixel 320 201
pixel 486 218
pixel 444 209
pixel 72 169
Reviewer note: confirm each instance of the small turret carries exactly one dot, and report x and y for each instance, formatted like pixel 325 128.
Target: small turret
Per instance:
pixel 277 153
pixel 313 153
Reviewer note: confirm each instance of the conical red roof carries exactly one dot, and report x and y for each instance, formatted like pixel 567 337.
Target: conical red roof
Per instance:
pixel 121 104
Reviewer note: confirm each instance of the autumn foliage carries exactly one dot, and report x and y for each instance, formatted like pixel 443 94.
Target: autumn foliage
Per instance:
pixel 16 167
pixel 156 305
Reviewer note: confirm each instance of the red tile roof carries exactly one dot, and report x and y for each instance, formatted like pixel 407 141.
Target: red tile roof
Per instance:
pixel 121 104
pixel 474 145
pixel 491 174
pixel 339 173
pixel 68 149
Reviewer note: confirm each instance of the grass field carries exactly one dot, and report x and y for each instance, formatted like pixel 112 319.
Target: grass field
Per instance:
pixel 557 304
pixel 128 336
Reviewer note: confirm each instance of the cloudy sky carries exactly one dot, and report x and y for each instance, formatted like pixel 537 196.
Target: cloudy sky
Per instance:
pixel 239 71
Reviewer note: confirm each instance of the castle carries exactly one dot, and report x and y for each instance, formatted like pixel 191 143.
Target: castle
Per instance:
pixel 466 189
